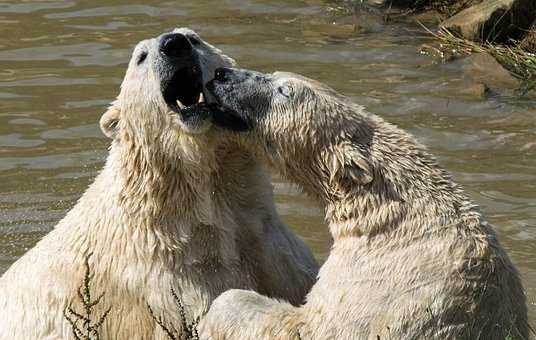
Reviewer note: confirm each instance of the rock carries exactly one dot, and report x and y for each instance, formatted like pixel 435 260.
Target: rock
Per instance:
pixel 473 91
pixel 464 89
pixel 483 68
pixel 427 18
pixel 493 20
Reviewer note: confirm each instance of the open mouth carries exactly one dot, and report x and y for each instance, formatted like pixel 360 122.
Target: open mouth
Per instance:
pixel 184 91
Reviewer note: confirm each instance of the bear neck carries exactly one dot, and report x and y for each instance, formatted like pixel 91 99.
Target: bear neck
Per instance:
pixel 182 216
pixel 409 192
pixel 158 190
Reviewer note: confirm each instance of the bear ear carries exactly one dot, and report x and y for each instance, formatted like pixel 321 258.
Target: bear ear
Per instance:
pixel 349 166
pixel 358 170
pixel 110 120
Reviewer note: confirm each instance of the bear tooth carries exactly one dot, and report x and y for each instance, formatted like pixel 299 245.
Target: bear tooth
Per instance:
pixel 201 98
pixel 180 105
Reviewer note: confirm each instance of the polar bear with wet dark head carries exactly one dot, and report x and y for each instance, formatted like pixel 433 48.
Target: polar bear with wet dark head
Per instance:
pixel 413 258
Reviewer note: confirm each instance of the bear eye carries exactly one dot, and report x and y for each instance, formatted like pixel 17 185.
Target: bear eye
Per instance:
pixel 142 57
pixel 284 91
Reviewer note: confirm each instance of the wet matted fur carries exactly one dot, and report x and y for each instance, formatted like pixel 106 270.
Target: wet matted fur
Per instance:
pixel 173 208
pixel 412 258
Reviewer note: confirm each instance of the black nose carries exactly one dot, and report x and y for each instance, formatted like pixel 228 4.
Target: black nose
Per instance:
pixel 175 45
pixel 222 74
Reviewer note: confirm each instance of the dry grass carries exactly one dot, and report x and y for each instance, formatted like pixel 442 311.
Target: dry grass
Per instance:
pixel 83 324
pixel 448 8
pixel 519 62
pixel 189 330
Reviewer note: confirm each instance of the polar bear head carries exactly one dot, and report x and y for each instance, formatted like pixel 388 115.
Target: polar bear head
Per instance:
pixel 304 128
pixel 278 105
pixel 162 98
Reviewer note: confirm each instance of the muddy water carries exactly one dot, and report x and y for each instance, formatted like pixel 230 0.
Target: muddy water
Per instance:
pixel 62 62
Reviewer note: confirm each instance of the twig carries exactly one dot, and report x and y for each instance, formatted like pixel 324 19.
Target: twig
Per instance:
pixel 189 330
pixel 89 330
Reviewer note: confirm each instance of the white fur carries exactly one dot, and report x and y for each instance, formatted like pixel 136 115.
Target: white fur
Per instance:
pixel 169 210
pixel 412 257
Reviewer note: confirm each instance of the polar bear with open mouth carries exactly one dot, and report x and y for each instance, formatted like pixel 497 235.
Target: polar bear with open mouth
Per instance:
pixel 177 206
